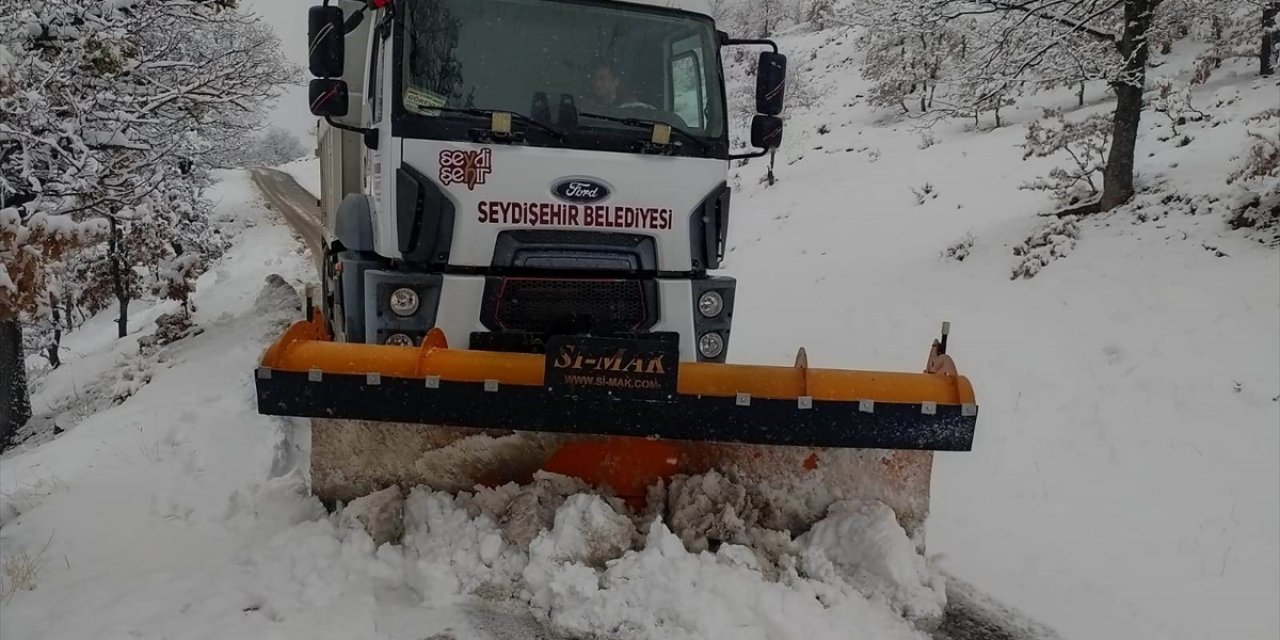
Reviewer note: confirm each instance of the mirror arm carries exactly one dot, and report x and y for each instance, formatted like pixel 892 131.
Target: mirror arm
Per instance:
pixel 354 20
pixel 732 42
pixel 370 135
pixel 753 154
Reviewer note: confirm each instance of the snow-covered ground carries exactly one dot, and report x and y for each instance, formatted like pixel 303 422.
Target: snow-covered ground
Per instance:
pixel 1125 480
pixel 1124 484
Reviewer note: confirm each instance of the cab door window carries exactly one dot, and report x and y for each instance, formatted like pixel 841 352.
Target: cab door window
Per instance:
pixel 688 86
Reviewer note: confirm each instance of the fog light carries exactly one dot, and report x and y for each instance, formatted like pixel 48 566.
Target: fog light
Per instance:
pixel 710 304
pixel 710 345
pixel 399 340
pixel 404 302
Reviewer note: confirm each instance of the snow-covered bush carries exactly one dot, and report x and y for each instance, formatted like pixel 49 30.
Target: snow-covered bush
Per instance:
pixel 925 193
pixel 20 571
pixel 1261 162
pixel 171 327
pixel 29 244
pixel 1257 177
pixel 1050 241
pixel 1173 100
pixel 959 250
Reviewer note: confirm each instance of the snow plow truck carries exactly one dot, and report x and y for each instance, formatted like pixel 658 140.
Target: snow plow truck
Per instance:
pixel 525 203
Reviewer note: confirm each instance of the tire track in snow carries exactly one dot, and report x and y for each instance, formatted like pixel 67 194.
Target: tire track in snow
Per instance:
pixel 297 206
pixel 284 195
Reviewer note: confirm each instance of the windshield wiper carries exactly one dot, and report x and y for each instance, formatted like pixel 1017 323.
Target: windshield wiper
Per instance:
pixel 488 113
pixel 643 123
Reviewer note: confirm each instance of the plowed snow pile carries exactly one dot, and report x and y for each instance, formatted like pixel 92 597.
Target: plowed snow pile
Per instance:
pixel 588 575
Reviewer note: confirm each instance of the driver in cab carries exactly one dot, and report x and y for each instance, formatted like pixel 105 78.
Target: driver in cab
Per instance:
pixel 607 92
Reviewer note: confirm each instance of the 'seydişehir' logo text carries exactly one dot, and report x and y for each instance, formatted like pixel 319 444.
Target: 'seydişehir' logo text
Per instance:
pixel 469 167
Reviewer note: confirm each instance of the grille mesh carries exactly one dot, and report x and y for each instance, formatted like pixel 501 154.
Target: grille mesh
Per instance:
pixel 537 305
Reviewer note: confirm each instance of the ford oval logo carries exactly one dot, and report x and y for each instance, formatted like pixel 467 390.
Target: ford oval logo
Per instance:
pixel 584 190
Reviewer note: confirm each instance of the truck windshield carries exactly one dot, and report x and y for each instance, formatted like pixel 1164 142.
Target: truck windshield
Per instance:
pixel 609 59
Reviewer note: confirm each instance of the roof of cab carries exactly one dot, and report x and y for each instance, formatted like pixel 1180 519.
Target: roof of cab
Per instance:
pixel 695 6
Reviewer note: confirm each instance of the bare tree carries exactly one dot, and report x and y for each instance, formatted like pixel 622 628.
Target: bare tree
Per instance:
pixel 1270 30
pixel 15 403
pixel 1135 50
pixel 27 246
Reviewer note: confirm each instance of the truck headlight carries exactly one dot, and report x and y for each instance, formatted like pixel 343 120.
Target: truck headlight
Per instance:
pixel 710 304
pixel 399 340
pixel 710 345
pixel 404 301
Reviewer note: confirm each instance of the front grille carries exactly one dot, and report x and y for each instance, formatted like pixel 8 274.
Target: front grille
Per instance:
pixel 563 306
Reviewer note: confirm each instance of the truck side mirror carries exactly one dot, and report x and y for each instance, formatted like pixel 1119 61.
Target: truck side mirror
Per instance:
pixel 766 132
pixel 771 79
pixel 326 36
pixel 328 97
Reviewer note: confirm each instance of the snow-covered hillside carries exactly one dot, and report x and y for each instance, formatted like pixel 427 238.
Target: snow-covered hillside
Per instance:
pixel 1123 484
pixel 1124 478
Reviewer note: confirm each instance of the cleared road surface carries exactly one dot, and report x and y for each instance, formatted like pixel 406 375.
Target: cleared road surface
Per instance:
pixel 296 204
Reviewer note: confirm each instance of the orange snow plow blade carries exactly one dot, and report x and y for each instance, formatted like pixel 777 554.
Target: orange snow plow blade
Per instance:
pixel 616 413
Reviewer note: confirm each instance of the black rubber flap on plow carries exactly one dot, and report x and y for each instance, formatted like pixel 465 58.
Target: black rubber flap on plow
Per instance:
pixel 696 418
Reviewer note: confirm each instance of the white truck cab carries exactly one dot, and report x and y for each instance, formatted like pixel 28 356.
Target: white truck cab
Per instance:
pixel 512 170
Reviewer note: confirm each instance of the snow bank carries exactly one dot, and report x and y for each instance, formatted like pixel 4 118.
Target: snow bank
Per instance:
pixel 866 542
pixel 306 172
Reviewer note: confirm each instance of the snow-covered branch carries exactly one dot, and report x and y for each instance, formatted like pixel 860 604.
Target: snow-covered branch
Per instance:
pixel 107 110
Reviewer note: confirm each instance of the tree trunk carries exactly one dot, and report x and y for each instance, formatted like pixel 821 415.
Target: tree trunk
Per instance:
pixel 1117 186
pixel 1266 52
pixel 119 281
pixel 66 304
pixel 15 403
pixel 55 359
